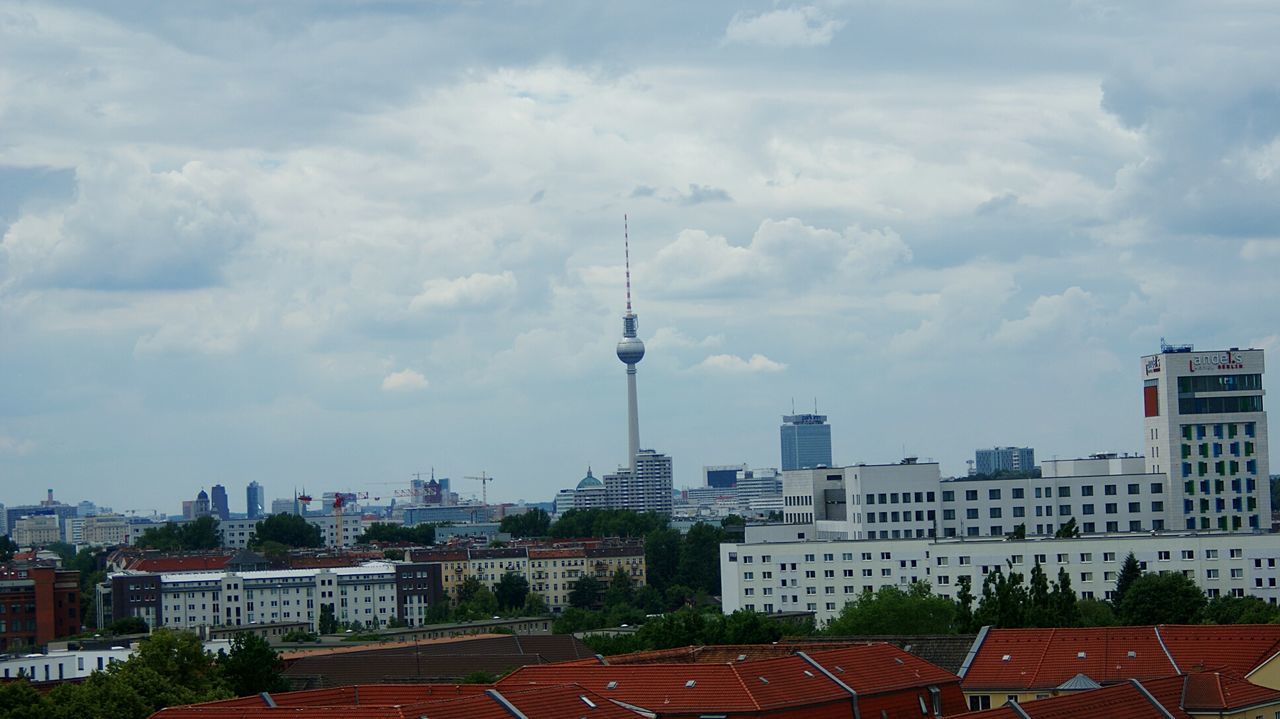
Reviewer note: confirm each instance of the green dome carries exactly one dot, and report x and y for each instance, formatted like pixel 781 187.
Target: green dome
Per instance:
pixel 589 481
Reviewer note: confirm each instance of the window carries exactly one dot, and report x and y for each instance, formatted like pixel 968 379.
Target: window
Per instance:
pixel 1018 492
pixel 948 495
pixel 1110 508
pixel 1163 555
pixel 995 512
pixel 1086 491
pixel 1064 491
pixel 971 495
pixel 1157 488
pixel 1109 490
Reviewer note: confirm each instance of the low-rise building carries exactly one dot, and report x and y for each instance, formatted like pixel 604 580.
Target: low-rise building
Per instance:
pixel 38 531
pixel 370 594
pixel 107 530
pixel 822 575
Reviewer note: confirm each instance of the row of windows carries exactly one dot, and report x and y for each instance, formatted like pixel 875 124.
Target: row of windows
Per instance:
pixel 971 495
pixel 1220 468
pixel 1220 430
pixel 892 497
pixel 1219 405
pixel 1219 383
pixel 1233 448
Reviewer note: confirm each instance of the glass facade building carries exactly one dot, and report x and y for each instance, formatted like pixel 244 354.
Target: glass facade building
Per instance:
pixel 806 441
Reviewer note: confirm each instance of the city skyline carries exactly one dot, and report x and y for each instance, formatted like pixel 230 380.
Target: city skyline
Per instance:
pixel 373 240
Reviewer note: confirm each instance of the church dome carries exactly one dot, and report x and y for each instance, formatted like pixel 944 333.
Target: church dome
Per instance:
pixel 589 481
pixel 202 495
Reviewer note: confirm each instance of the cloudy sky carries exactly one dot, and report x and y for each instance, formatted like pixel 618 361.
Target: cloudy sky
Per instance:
pixel 331 244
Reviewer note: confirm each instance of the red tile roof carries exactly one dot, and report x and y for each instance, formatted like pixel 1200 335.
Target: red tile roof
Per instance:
pixel 410 702
pixel 1039 659
pixel 1239 648
pixel 1178 696
pixel 170 565
pixel 880 669
pixel 780 683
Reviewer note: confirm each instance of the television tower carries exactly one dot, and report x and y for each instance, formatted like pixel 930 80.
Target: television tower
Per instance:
pixel 630 351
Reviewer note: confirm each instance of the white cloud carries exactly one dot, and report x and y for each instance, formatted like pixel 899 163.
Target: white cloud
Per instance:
pixel 475 290
pixel 1058 317
pixel 789 27
pixel 1260 250
pixel 14 446
pixel 733 364
pixel 406 380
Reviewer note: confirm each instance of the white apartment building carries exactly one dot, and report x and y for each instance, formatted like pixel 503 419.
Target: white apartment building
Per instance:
pixel 1104 494
pixel 821 576
pixel 236 533
pixel 1207 430
pixel 649 490
pixel 200 600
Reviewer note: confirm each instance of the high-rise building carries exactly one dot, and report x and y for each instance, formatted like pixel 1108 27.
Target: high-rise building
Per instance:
pixel 631 351
pixel 1004 459
pixel 806 441
pixel 648 489
pixel 255 500
pixel 1206 430
pixel 218 502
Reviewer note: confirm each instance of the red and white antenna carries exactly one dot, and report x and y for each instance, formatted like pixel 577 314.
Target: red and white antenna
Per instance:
pixel 626 248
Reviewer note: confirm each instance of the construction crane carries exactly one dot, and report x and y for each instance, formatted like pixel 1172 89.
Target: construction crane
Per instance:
pixel 484 481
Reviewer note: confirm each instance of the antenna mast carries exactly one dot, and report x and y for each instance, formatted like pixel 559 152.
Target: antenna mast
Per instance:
pixel 626 249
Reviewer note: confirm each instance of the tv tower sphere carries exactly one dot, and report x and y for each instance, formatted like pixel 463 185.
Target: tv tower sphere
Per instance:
pixel 630 350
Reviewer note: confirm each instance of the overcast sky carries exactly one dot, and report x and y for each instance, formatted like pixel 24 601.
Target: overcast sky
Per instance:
pixel 332 244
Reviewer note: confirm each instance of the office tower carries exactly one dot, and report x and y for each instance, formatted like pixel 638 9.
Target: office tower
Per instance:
pixel 255 500
pixel 1004 459
pixel 806 441
pixel 1206 430
pixel 218 502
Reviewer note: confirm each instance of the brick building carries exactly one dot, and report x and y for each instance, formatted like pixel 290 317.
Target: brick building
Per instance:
pixel 37 605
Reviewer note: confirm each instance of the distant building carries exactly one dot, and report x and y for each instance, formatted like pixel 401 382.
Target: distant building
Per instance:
pixel 218 502
pixel 255 501
pixel 37 531
pixel 282 506
pixel 589 493
pixel 806 441
pixel 722 476
pixel 648 490
pixel 1004 459
pixel 105 530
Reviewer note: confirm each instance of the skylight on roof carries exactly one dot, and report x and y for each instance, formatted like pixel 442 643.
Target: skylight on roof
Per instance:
pixel 587 701
pixel 611 685
pixel 808 673
pixel 763 680
pixel 1079 655
pixel 1131 654
pixel 742 657
pixel 1006 658
pixel 690 684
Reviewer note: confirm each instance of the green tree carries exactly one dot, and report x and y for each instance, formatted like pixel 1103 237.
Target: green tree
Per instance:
pixel 170 668
pixel 1063 603
pixel 586 592
pixel 1161 599
pixel 1004 601
pixel 662 557
pixel 511 591
pixel 699 565
pixel 606 523
pixel 252 666
pixel 1019 532
pixel 100 696
pixel 1068 530
pixel 891 610
pixel 479 676
pixel 201 533
pixel 291 530
pixel 533 523
pixel 534 605
pixel 747 627
pixel 386 533
pixel 18 700
pixel 964 604
pixel 328 622
pixel 475 600
pixel 1096 613
pixel 732 520
pixel 129 625
pixel 1130 571
pixel 621 589
pixel 1039 613
pixel 7 549
pixel 468 590
pixel 1239 610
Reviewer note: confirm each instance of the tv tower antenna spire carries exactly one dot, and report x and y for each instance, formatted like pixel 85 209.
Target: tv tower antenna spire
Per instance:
pixel 626 251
